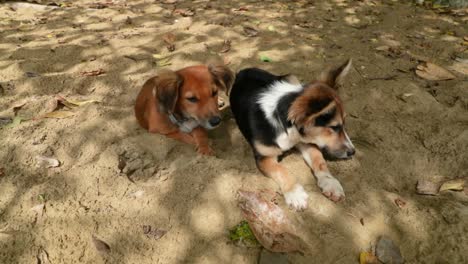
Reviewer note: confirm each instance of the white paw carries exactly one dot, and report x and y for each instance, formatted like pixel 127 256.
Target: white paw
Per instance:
pixel 331 188
pixel 296 198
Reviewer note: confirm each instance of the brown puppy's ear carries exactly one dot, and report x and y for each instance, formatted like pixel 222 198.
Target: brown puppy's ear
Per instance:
pixel 222 76
pixel 166 90
pixel 335 77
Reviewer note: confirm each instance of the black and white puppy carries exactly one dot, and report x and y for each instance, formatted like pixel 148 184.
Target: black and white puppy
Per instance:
pixel 277 113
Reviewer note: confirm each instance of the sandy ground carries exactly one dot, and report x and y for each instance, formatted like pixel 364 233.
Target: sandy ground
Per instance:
pixel 405 129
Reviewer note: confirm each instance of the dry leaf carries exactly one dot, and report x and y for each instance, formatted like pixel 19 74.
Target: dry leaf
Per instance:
pixel 460 66
pixel 74 103
pixel 39 209
pixel 92 73
pixel 400 203
pixel 432 72
pixel 271 226
pixel 383 48
pixel 184 23
pixel 388 252
pixel 226 46
pixel 164 62
pixel 250 31
pixel 154 234
pixel 242 8
pixel 138 194
pixel 367 258
pixel 184 12
pixel 46 162
pixel 16 121
pixel 42 256
pixel 101 246
pixel 453 185
pixel 58 114
pixel 169 39
pixel 2 171
pixel 427 187
pixel 170 1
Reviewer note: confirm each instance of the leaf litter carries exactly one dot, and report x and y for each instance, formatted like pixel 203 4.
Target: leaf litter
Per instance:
pixel 169 40
pixel 155 234
pixel 269 223
pixel 101 246
pixel 46 162
pixel 241 234
pixel 433 72
pixel 453 185
pixel 250 31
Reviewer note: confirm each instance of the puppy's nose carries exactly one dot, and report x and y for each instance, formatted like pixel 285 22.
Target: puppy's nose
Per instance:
pixel 215 120
pixel 351 152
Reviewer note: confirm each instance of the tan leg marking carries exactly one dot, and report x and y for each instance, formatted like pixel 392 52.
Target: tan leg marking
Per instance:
pixel 267 151
pixel 294 193
pixel 329 185
pixel 201 141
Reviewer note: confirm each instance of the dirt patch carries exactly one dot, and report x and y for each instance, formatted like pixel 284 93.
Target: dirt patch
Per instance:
pixel 115 179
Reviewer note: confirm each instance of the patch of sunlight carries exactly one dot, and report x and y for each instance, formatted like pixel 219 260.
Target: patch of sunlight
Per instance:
pixel 352 20
pixel 207 218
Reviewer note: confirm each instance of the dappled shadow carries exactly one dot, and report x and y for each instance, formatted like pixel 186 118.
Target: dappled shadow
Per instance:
pixel 193 197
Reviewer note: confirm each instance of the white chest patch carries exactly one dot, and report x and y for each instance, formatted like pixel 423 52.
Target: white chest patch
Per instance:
pixel 288 140
pixel 269 99
pixel 188 126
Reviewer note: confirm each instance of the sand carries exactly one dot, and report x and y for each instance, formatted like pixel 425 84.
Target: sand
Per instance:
pixel 405 129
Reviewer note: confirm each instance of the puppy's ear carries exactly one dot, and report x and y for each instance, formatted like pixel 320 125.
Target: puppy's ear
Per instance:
pixel 307 107
pixel 335 77
pixel 166 89
pixel 222 76
pixel 292 79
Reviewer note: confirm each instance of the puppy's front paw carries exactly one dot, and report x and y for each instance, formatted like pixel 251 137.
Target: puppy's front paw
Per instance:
pixel 205 151
pixel 296 198
pixel 331 188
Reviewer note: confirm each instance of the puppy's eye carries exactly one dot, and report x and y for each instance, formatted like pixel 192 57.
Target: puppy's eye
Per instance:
pixel 215 93
pixel 337 128
pixel 192 99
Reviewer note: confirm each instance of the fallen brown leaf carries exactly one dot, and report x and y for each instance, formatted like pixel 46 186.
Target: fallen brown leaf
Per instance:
pixel 2 171
pixel 269 223
pixel 242 8
pixel 70 103
pixel 184 12
pixel 226 46
pixel 432 72
pixel 169 39
pixel 92 73
pixel 427 187
pixel 400 203
pixel 42 256
pixel 250 31
pixel 101 246
pixel 57 114
pixel 154 234
pixel 453 185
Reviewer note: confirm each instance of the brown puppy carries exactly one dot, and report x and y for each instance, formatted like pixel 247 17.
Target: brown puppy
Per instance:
pixel 182 104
